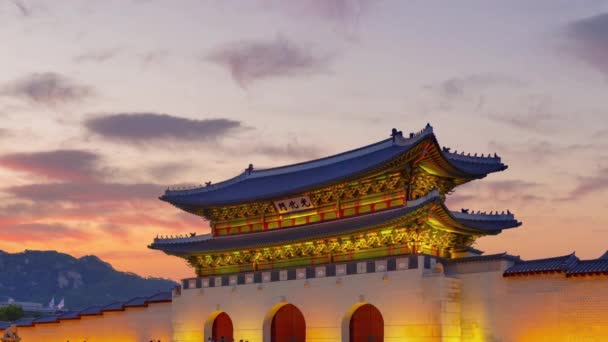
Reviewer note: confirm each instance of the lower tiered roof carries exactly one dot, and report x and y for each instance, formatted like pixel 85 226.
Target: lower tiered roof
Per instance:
pixel 470 224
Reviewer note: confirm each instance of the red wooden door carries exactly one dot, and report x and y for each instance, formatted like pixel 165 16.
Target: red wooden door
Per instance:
pixel 222 327
pixel 288 325
pixel 367 325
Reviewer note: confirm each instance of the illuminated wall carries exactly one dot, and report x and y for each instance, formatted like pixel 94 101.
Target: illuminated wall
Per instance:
pixel 468 302
pixel 416 305
pixel 532 308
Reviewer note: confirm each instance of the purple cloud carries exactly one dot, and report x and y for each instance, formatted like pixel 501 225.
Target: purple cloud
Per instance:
pixel 250 61
pixel 86 192
pixel 24 10
pixel 537 116
pixel 589 185
pixel 47 88
pixel 504 192
pixel 68 165
pixel 597 135
pixel 539 151
pixel 344 15
pixel 98 56
pixel 38 232
pixel 589 38
pixel 461 86
pixel 143 127
pixel 292 149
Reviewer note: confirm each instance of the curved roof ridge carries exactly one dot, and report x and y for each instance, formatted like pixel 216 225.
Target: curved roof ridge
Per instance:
pixel 201 237
pixel 471 158
pixel 483 216
pixel 573 254
pixel 397 139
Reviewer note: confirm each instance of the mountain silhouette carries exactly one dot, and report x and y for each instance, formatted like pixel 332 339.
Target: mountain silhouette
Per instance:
pixel 38 276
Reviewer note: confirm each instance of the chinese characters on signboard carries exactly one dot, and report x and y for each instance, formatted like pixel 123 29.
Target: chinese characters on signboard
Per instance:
pixel 293 204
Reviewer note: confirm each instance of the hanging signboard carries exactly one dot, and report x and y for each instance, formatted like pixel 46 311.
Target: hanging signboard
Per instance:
pixel 290 205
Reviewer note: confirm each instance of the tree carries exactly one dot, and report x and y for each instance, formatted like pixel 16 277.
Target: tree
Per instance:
pixel 11 312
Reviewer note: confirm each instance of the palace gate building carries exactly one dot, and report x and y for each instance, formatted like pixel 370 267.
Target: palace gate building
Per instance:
pixel 361 247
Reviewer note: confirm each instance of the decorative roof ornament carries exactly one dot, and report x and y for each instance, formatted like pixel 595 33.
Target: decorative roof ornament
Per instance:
pixel 396 133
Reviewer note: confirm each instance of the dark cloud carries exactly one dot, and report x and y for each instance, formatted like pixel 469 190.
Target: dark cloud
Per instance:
pixel 597 135
pixel 589 185
pixel 463 86
pixel 538 116
pixel 533 122
pixel 143 127
pixel 97 56
pixel 292 150
pixel 24 9
pixel 67 165
pixel 86 192
pixel 539 151
pixel 505 192
pixel 250 61
pixel 589 40
pixel 342 14
pixel 47 88
pixel 165 172
pixel 4 133
pixel 40 232
pixel 154 56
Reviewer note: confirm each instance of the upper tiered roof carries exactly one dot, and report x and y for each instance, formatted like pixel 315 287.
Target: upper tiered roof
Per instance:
pixel 255 185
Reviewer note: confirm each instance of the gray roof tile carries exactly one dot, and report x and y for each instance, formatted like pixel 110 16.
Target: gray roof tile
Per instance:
pixel 548 265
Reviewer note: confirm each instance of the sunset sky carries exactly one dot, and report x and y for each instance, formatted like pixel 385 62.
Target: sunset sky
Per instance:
pixel 103 104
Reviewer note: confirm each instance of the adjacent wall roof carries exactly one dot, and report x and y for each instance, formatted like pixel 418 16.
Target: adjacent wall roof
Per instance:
pixel 570 265
pixel 161 297
pixel 281 181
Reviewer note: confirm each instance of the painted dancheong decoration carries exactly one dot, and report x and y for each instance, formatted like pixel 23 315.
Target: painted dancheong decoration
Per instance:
pixel 380 200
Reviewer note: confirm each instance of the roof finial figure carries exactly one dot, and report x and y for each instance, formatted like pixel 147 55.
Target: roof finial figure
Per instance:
pixel 395 133
pixel 208 183
pixel 249 169
pixel 465 211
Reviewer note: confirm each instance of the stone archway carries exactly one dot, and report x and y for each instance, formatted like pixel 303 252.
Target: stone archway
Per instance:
pixel 222 327
pixel 366 325
pixel 285 323
pixel 362 322
pixel 218 325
